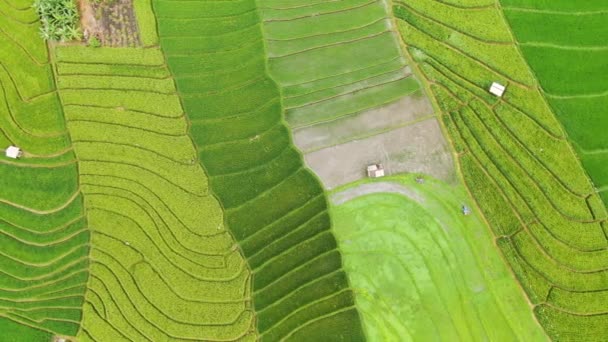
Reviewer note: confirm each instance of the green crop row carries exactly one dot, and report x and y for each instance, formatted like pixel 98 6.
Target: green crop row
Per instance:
pixel 558 28
pixel 254 241
pixel 292 320
pixel 549 63
pixel 515 159
pixel 241 155
pixel 255 172
pixel 552 152
pixel 298 278
pixel 346 104
pixel 572 327
pixel 311 228
pixel 281 265
pixel 146 22
pixel 324 286
pixel 293 10
pixel 170 126
pixel 259 179
pixel 343 90
pixel 503 221
pixel 36 126
pixel 295 192
pixel 467 44
pixel 38 188
pixel 238 127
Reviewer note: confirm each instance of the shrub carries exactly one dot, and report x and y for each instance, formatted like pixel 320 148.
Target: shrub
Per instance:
pixel 94 42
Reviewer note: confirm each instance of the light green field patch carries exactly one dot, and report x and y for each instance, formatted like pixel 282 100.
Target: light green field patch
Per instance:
pixel 422 270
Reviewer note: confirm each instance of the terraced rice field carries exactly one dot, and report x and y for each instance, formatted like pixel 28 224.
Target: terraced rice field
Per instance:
pixel 333 59
pixel 163 265
pixel 164 191
pixel 347 90
pixel 547 218
pixel 275 207
pixel 569 55
pixel 43 264
pixel 403 241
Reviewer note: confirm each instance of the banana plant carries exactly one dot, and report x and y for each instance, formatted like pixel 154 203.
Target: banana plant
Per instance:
pixel 59 18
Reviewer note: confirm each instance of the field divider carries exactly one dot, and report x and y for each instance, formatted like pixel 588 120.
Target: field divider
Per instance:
pixel 100 142
pixel 528 206
pixel 287 85
pixel 333 313
pixel 152 219
pixel 327 33
pixel 262 8
pixel 43 212
pixel 129 109
pixel 477 61
pixel 165 205
pixel 308 262
pixel 145 170
pixel 355 91
pixel 321 13
pixel 358 111
pixel 476 86
pixel 382 73
pixel 449 27
pixel 371 36
pixel 21 47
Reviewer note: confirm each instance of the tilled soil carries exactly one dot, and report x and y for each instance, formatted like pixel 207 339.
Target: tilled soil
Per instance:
pixel 113 22
pixel 418 148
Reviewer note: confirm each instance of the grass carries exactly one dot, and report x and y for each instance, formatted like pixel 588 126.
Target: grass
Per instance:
pixel 515 156
pixel 576 90
pixel 236 122
pixel 400 250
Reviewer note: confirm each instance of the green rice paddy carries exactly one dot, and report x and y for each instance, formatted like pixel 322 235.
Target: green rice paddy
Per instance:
pixel 402 246
pixel 569 55
pixel 274 206
pixel 160 197
pixel 333 59
pixel 43 231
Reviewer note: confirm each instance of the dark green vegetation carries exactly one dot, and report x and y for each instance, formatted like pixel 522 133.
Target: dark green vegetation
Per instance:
pixel 567 50
pixel 60 19
pixel 43 265
pixel 162 265
pixel 275 208
pixel 549 221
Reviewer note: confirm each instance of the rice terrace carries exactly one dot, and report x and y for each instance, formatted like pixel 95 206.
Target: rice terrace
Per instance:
pixel 303 170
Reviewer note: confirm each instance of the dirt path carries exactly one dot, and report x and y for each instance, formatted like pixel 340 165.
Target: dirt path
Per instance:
pixel 373 188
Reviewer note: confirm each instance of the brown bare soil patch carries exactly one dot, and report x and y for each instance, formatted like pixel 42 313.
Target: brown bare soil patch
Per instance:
pixel 113 22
